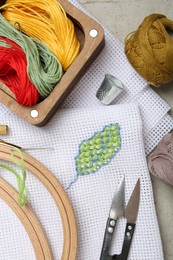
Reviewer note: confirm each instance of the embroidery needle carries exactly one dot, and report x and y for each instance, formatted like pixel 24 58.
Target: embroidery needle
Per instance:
pixel 27 148
pixel 38 148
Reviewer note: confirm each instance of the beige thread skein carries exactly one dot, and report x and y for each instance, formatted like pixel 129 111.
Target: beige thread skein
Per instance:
pixel 160 161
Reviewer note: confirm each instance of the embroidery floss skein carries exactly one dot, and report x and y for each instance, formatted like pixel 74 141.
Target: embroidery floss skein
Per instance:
pixel 23 192
pixel 47 21
pixel 43 67
pixel 150 49
pixel 13 73
pixel 160 161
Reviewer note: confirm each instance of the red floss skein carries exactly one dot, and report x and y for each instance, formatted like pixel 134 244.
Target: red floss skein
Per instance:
pixel 13 73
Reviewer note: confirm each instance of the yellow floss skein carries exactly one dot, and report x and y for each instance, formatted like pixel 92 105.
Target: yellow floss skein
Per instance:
pixel 150 49
pixel 47 21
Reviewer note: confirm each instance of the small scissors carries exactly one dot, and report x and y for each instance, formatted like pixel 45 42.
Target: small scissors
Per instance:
pixel 117 210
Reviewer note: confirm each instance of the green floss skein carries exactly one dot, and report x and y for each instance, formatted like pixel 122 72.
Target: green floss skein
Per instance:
pixel 22 190
pixel 43 67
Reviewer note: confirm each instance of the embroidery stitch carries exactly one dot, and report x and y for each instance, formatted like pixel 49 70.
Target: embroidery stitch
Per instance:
pixel 97 151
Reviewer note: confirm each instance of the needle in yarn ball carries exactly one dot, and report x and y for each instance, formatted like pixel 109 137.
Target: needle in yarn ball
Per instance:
pixel 47 21
pixel 160 161
pixel 13 73
pixel 150 49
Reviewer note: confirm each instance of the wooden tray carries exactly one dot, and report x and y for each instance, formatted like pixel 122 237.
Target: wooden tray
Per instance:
pixel 91 36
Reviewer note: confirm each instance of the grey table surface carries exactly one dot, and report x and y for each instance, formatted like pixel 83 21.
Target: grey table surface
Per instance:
pixel 122 17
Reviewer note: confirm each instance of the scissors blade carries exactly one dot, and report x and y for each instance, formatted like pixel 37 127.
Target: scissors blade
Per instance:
pixel 131 213
pixel 117 205
pixel 131 210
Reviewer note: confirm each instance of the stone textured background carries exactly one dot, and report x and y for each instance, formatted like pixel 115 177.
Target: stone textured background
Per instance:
pixel 122 17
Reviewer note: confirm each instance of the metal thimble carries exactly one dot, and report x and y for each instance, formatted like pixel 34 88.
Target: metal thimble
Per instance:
pixel 110 88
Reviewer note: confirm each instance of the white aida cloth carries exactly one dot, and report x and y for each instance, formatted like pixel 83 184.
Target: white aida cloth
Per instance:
pixel 112 60
pixel 91 194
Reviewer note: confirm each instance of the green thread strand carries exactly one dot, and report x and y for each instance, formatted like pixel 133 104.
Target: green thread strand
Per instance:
pixel 22 190
pixel 4 44
pixel 43 67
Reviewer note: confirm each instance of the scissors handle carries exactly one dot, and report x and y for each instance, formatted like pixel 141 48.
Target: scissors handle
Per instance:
pixel 110 226
pixel 130 227
pixel 129 231
pixel 116 257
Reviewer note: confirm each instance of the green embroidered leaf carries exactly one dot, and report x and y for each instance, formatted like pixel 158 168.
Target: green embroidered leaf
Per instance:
pixel 98 150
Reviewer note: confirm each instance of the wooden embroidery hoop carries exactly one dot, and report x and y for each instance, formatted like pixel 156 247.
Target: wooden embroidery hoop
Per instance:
pixel 91 37
pixel 57 192
pixel 29 221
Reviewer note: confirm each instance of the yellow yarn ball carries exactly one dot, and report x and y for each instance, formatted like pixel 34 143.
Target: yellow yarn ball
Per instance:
pixel 150 49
